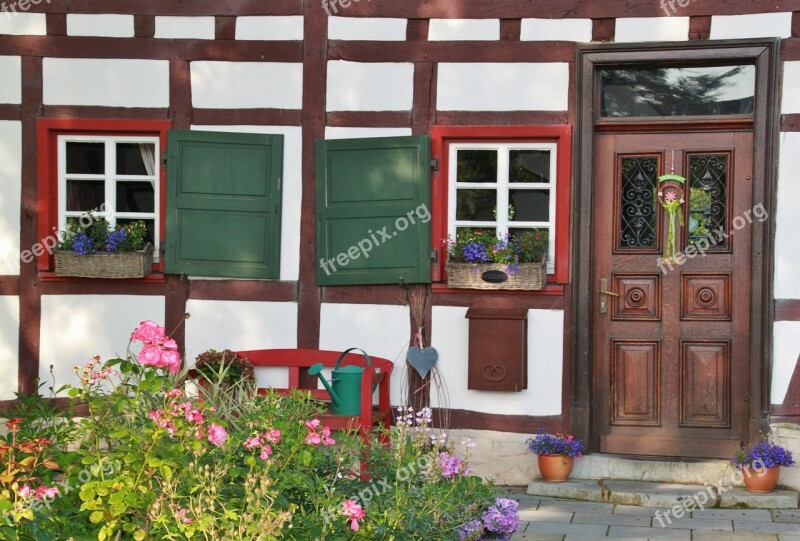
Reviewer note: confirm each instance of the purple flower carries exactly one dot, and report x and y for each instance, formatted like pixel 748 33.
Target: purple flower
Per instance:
pixel 471 531
pixel 115 240
pixel 82 244
pixel 501 518
pixel 450 465
pixel 555 444
pixel 762 454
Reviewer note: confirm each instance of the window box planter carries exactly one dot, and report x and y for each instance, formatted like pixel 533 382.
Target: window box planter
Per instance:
pixel 105 265
pixel 530 276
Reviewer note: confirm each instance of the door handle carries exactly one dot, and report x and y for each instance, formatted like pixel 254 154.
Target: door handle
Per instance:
pixel 604 294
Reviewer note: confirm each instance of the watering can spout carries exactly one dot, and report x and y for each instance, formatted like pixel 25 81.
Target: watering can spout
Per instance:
pixel 316 370
pixel 345 385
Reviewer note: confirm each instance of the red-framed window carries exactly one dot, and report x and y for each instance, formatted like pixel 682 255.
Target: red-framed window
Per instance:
pixel 111 142
pixel 551 196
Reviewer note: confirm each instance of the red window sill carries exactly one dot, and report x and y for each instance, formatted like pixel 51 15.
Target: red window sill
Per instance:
pixel 556 290
pixel 153 278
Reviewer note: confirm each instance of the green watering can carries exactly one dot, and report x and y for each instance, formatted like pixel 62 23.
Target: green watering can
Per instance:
pixel 346 390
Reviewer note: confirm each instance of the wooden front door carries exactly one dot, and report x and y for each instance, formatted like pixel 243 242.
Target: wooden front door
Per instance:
pixel 672 341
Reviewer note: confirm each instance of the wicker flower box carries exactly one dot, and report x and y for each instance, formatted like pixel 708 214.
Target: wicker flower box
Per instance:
pixel 530 276
pixel 105 265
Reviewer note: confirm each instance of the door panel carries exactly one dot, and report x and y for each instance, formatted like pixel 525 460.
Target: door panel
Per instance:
pixel 671 356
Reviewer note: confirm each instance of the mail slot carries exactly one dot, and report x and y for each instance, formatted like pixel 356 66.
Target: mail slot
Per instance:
pixel 498 349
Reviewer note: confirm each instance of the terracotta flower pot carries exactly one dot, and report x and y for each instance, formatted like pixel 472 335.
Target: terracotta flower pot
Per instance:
pixel 761 480
pixel 555 468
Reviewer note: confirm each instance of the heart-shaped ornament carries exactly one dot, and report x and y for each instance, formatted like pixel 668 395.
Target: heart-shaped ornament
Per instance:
pixel 423 360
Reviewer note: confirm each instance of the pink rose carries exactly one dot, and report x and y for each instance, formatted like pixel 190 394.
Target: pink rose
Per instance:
pixel 25 492
pixel 149 332
pixel 171 359
pixel 169 343
pixel 217 434
pixel 150 356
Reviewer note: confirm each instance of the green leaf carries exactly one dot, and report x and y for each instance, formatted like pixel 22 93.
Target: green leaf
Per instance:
pixel 96 517
pixel 73 393
pixel 139 535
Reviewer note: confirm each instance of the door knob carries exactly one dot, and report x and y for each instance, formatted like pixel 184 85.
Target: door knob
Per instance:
pixel 604 294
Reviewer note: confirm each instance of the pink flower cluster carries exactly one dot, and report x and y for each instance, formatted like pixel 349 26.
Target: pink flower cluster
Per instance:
pixel 181 514
pixel 263 441
pixel 90 376
pixel 317 436
pixel 178 408
pixel 26 492
pixel 217 434
pixel 353 512
pixel 159 350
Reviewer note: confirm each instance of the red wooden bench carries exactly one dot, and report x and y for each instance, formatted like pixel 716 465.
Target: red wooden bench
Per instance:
pixel 378 373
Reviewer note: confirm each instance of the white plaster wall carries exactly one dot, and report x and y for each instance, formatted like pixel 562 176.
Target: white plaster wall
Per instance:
pixel 237 326
pixel 247 85
pixel 464 29
pixel 24 24
pixel 9 346
pixel 75 328
pixel 791 81
pixel 751 26
pixel 292 190
pixel 785 352
pixel 787 216
pixel 556 30
pixel 545 364
pixel 379 86
pixel 11 81
pixel 10 196
pixel 270 28
pixel 185 27
pixel 112 82
pixel 380 330
pixel 112 26
pixel 633 29
pixel 788 436
pixel 358 133
pixel 503 87
pixel 367 28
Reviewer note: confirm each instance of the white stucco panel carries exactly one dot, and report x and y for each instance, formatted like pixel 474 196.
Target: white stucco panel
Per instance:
pixel 503 87
pixel 545 364
pixel 359 133
pixel 367 28
pixel 11 81
pixel 106 25
pixel 355 86
pixel 185 27
pixel 10 196
pixel 292 190
pixel 464 29
pixel 787 254
pixel 790 102
pixel 380 330
pixel 237 326
pixel 24 24
pixel 761 25
pixel 75 328
pixel 9 346
pixel 785 352
pixel 106 82
pixel 556 30
pixel 247 85
pixel 632 29
pixel 270 28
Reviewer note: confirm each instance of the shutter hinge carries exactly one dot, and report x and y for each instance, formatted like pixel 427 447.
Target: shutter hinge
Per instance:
pixel 435 256
pixel 164 158
pixel 435 165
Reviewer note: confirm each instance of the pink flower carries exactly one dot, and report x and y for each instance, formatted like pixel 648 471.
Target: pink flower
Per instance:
pixel 169 343
pixel 312 438
pixel 353 512
pixel 181 514
pixel 266 451
pixel 217 434
pixel 150 355
pixel 25 492
pixel 149 332
pixel 252 443
pixel 312 424
pixel 171 359
pixel 273 436
pixel 47 492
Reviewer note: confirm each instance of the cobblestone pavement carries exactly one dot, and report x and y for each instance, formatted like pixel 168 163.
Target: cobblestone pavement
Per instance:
pixel 544 519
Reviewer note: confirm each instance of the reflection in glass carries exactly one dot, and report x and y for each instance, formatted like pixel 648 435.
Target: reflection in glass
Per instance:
pixel 476 205
pixel 637 209
pixel 720 90
pixel 708 182
pixel 85 195
pixel 543 232
pixel 529 166
pixel 135 197
pixel 530 205
pixel 135 158
pixel 150 224
pixel 477 166
pixel 86 158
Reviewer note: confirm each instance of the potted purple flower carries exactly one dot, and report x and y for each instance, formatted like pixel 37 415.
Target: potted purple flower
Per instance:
pixel 556 454
pixel 760 464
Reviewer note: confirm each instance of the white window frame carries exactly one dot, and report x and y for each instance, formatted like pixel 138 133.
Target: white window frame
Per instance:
pixel 502 224
pixel 110 178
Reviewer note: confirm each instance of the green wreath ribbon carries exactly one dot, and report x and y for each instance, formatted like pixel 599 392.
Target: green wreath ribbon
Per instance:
pixel 675 213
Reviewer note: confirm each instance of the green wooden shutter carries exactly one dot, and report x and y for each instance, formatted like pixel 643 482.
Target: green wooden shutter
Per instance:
pixel 224 204
pixel 373 211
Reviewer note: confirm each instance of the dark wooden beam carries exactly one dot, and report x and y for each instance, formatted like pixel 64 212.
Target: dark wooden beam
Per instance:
pixel 453 51
pixel 243 290
pixel 370 119
pixel 700 27
pixel 500 118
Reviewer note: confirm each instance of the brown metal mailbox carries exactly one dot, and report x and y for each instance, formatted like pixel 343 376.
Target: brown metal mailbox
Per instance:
pixel 498 349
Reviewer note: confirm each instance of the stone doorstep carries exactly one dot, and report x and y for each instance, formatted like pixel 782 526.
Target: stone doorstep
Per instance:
pixel 663 495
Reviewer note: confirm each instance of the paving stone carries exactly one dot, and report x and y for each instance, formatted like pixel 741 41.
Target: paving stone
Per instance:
pixel 758 515
pixel 621 509
pixel 777 499
pixel 642 534
pixel 576 507
pixel 787 515
pixel 608 518
pixel 765 527
pixel 545 515
pixel 656 494
pixel 788 537
pixel 698 524
pixel 710 535
pixel 584 538
pixel 587 530
pixel 574 489
pixel 528 536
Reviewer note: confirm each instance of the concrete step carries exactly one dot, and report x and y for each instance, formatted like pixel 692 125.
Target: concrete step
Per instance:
pixel 664 495
pixel 601 466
